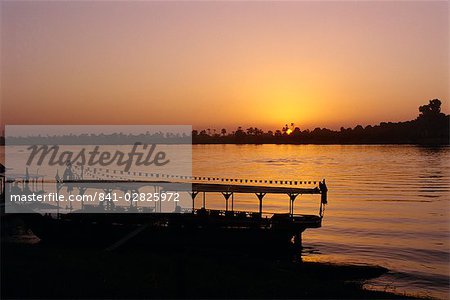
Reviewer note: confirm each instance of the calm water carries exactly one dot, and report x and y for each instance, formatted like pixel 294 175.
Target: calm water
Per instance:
pixel 388 205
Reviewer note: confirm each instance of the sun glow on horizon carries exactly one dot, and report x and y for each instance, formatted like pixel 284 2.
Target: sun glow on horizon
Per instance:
pixel 222 64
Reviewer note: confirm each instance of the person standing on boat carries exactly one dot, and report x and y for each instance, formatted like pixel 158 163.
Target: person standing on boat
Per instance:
pixel 69 176
pixel 323 189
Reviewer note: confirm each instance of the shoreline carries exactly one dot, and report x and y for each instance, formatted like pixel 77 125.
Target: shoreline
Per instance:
pixel 50 271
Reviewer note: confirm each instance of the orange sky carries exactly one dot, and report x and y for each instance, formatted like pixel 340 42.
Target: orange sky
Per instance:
pixel 222 64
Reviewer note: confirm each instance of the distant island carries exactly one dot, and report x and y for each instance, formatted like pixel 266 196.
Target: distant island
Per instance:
pixel 431 127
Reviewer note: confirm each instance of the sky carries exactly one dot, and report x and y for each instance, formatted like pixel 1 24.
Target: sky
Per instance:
pixel 222 64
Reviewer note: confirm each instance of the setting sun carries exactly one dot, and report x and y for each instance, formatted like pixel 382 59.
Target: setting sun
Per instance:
pixel 289 131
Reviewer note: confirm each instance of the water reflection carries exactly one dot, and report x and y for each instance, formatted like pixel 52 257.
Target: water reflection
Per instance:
pixel 388 204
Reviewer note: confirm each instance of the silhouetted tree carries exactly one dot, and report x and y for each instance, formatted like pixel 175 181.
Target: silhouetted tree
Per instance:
pixel 239 132
pixel 258 132
pixel 296 132
pixel 431 109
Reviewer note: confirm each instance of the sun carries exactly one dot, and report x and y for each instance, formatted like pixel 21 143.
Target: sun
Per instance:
pixel 289 131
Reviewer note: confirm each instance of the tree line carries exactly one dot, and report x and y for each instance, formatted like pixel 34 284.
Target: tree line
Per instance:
pixel 430 127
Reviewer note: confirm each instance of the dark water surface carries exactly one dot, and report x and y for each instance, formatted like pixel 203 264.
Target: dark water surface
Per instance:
pixel 388 205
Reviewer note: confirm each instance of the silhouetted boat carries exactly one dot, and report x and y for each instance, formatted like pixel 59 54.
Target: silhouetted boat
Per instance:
pixel 203 227
pixel 114 226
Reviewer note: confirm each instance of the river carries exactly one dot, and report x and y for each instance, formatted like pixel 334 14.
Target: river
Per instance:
pixel 388 205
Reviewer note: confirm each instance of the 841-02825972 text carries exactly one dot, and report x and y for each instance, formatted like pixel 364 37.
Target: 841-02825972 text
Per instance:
pixel 98 196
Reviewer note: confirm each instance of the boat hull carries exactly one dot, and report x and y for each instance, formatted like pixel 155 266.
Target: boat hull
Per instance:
pixel 118 230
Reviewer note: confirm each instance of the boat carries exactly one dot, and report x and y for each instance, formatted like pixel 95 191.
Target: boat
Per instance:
pixel 110 226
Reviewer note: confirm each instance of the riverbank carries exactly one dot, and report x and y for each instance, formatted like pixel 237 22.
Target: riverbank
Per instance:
pixel 47 271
